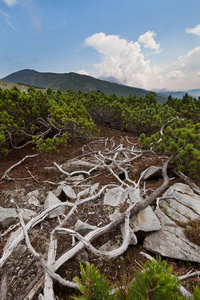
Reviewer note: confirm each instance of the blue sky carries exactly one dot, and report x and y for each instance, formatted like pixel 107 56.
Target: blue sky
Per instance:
pixel 151 44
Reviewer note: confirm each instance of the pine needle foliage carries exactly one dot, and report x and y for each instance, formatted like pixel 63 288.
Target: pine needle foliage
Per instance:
pixel 153 282
pixel 93 285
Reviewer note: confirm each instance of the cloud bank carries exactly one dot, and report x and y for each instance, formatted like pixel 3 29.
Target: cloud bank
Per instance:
pixel 126 62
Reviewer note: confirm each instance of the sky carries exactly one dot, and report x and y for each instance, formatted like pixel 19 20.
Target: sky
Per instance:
pixel 150 44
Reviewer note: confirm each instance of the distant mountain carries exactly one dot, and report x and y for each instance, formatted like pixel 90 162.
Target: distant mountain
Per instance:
pixel 194 93
pixel 76 82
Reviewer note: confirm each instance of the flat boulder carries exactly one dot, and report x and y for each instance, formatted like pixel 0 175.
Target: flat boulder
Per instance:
pixel 179 204
pixel 170 241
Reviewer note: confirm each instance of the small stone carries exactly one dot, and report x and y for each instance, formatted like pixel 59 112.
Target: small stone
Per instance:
pixel 108 246
pixel 151 173
pixel 52 200
pixel 33 193
pixel 133 237
pixel 33 201
pixel 83 257
pixel 115 215
pixel 114 197
pixel 19 251
pixel 83 227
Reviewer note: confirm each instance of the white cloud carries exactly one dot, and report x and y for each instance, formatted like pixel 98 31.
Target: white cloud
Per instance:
pixel 195 30
pixel 176 74
pixel 148 41
pixel 10 3
pixel 192 59
pixel 184 73
pixel 124 61
pixel 82 72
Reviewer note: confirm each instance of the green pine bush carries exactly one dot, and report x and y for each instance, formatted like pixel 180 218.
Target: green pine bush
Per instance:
pixel 153 282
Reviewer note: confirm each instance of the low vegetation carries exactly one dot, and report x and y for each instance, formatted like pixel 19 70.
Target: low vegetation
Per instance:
pixel 154 281
pixel 48 119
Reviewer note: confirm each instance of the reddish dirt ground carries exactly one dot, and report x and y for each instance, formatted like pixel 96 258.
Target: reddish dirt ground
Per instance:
pixel 114 268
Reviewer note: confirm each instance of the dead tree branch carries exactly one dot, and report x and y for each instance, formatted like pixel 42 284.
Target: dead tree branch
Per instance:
pixel 6 174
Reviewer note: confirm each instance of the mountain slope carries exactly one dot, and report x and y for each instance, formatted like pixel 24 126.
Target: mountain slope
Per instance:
pixel 75 82
pixel 194 93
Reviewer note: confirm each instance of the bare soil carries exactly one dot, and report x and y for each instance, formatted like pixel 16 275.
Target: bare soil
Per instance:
pixel 22 271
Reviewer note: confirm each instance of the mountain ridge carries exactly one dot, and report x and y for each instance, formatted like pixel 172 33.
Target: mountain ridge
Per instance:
pixel 76 82
pixel 179 94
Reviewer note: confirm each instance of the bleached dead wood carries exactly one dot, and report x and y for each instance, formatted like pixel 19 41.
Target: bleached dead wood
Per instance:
pixel 77 172
pixel 107 228
pixel 6 174
pixel 39 257
pixel 165 125
pixel 93 235
pixel 42 216
pixel 107 254
pixel 48 282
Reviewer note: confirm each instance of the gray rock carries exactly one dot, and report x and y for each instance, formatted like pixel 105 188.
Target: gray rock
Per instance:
pixel 50 201
pixel 114 196
pixel 134 195
pixel 9 215
pixel 182 199
pixel 34 201
pixel 74 179
pixel 83 227
pixel 179 187
pixel 108 246
pixel 151 172
pixel 33 193
pixel 145 220
pixel 67 190
pixel 115 215
pixel 133 237
pixel 78 164
pixel 19 251
pixel 170 241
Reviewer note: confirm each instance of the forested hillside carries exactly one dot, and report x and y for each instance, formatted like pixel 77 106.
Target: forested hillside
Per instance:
pixel 50 118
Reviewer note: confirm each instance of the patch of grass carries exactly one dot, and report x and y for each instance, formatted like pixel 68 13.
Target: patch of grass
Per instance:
pixel 192 231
